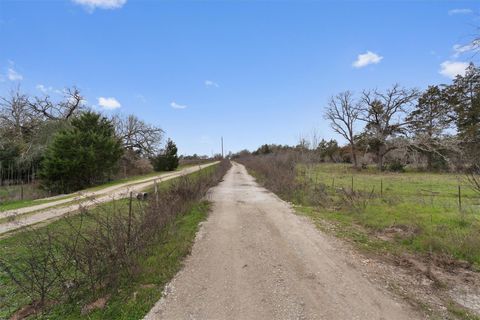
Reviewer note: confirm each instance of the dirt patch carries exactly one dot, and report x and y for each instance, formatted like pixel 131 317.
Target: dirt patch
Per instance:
pixel 25 312
pixel 29 310
pixel 398 232
pixel 97 304
pixel 433 285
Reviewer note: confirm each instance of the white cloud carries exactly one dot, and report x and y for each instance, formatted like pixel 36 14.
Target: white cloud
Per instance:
pixel 367 58
pixel 42 88
pixel 210 83
pixel 175 105
pixel 13 75
pixel 46 90
pixel 451 69
pixel 460 11
pixel 91 5
pixel 109 103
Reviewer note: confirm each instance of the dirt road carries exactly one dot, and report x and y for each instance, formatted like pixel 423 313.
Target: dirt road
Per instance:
pixel 51 210
pixel 255 259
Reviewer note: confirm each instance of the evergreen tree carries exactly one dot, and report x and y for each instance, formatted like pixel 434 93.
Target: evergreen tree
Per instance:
pixel 167 160
pixel 464 96
pixel 81 156
pixel 428 122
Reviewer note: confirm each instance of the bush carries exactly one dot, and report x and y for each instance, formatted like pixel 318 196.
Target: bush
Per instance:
pixel 81 156
pixel 396 166
pixel 167 160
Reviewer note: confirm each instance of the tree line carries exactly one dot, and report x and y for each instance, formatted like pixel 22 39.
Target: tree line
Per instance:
pixel 434 129
pixel 439 126
pixel 69 146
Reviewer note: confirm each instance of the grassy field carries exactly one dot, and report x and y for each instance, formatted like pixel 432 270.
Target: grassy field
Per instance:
pixel 412 211
pixel 137 293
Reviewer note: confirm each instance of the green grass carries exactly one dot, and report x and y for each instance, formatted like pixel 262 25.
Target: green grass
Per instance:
pixel 405 217
pixel 138 294
pixel 158 266
pixel 17 204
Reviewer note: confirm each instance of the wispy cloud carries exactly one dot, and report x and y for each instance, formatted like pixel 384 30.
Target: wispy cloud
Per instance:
pixel 461 49
pixel 46 90
pixel 13 75
pixel 141 97
pixel 451 69
pixel 460 11
pixel 91 5
pixel 210 83
pixel 175 105
pixel 109 103
pixel 367 58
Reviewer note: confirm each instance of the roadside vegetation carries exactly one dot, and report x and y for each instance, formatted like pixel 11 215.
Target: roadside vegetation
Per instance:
pixel 108 262
pixel 51 146
pixel 404 184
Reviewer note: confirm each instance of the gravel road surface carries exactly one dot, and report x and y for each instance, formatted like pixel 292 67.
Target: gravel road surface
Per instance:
pixel 255 259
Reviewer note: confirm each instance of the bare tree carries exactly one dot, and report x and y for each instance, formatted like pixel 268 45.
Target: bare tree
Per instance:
pixel 137 135
pixel 343 113
pixel 384 114
pixel 16 120
pixel 71 104
pixel 473 178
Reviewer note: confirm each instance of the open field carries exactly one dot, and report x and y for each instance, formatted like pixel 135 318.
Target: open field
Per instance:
pixel 136 293
pixel 414 211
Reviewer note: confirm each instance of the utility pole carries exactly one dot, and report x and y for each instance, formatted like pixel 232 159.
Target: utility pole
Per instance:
pixel 222 146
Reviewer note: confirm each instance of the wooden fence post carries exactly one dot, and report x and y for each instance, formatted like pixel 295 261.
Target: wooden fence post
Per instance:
pixel 156 193
pixel 129 218
pixel 460 198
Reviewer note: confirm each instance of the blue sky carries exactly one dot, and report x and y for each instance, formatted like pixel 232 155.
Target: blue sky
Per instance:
pixel 253 71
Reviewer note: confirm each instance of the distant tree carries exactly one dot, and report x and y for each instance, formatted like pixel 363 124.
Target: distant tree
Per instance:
pixel 428 122
pixel 329 150
pixel 81 156
pixel 137 135
pixel 384 114
pixel 263 149
pixel 166 160
pixel 343 114
pixel 17 122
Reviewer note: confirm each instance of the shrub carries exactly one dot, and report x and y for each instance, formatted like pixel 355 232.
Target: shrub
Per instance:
pixel 396 166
